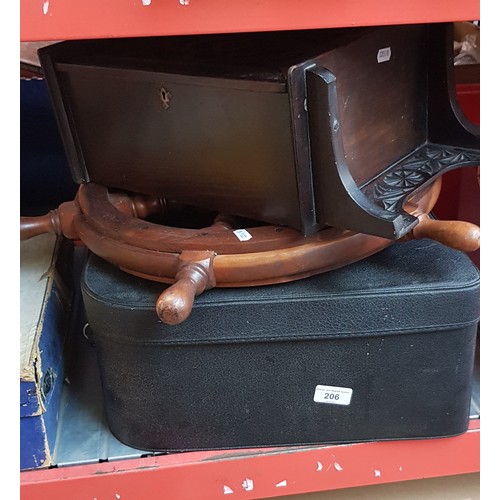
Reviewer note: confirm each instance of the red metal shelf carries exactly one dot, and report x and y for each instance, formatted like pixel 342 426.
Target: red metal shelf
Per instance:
pixel 271 472
pixel 259 473
pixel 44 20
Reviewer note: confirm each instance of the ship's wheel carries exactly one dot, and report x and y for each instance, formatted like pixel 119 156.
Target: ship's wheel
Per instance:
pixel 224 254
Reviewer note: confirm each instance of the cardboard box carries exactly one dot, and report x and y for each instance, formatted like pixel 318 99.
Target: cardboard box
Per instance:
pixel 46 295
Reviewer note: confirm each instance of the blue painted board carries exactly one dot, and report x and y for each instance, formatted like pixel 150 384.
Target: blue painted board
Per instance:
pixel 43 362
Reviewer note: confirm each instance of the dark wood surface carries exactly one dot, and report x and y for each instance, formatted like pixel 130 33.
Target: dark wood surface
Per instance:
pixel 382 105
pixel 217 122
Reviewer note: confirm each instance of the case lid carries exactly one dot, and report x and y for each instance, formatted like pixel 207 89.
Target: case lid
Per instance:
pixel 415 286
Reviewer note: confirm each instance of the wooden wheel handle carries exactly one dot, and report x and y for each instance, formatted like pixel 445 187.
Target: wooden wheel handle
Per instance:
pixel 195 275
pixel 60 221
pixel 33 226
pixel 460 235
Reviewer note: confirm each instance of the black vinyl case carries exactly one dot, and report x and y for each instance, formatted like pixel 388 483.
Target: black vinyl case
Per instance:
pixel 378 350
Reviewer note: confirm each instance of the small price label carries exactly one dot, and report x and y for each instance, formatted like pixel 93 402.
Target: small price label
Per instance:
pixel 332 395
pixel 242 234
pixel 384 55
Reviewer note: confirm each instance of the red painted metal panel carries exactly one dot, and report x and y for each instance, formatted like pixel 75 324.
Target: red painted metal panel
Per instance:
pixel 43 20
pixel 460 192
pixel 468 95
pixel 261 473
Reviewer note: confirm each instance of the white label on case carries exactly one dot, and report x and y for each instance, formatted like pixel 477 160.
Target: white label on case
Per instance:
pixel 384 55
pixel 242 234
pixel 332 395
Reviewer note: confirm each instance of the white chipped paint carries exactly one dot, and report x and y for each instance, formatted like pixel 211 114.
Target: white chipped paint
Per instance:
pixel 146 2
pixel 320 466
pixel 117 496
pixel 400 468
pixel 184 2
pixel 227 490
pixel 377 473
pixel 281 484
pixel 338 466
pixel 45 7
pixel 247 484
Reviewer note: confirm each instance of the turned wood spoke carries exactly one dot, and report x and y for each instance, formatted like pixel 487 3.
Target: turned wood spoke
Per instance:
pixel 460 235
pixel 195 275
